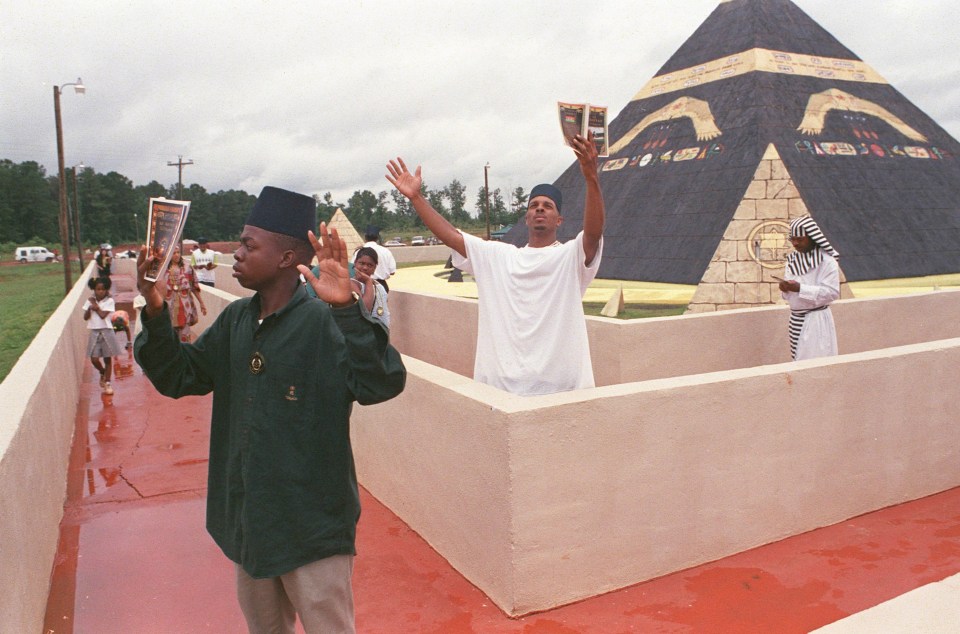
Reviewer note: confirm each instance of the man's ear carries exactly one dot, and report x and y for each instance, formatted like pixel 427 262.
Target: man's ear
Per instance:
pixel 559 220
pixel 288 258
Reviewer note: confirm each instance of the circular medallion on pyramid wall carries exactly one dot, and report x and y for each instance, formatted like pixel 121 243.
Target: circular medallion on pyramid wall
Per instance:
pixel 769 243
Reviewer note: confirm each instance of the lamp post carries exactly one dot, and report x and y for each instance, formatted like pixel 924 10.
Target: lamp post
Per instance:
pixel 136 227
pixel 80 89
pixel 76 216
pixel 486 192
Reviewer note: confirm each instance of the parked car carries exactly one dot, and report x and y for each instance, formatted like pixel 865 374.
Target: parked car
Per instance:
pixel 433 240
pixel 417 241
pixel 33 254
pixel 394 242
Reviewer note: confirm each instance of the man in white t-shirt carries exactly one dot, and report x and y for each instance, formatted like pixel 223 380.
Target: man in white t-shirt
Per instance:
pixel 204 260
pixel 386 263
pixel 531 333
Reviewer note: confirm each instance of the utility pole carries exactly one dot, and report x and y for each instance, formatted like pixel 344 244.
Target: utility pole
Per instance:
pixel 486 195
pixel 179 165
pixel 76 216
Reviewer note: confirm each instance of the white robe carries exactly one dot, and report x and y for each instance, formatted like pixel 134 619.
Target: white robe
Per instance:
pixel 818 287
pixel 531 332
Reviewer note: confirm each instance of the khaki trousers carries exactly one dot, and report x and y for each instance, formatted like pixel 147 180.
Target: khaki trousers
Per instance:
pixel 320 592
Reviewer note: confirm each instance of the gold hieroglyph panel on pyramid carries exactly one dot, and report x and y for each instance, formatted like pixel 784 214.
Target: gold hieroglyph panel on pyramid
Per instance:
pixel 759 117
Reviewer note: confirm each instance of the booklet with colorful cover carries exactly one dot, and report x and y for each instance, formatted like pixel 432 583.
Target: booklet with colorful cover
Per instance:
pixel 165 221
pixel 582 118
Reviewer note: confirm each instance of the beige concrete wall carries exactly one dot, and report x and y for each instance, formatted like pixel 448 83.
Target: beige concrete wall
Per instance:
pixel 439 330
pixel 704 442
pixel 39 398
pixel 442 331
pixel 615 485
pixel 431 457
pixel 650 479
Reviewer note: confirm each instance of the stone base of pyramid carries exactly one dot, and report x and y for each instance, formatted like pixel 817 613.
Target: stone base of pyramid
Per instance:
pixel 754 243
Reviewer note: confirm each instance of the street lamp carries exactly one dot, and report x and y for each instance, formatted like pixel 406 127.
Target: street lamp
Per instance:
pixel 136 227
pixel 80 89
pixel 76 215
pixel 486 190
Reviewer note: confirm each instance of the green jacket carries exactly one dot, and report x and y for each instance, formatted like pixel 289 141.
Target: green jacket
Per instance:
pixel 282 490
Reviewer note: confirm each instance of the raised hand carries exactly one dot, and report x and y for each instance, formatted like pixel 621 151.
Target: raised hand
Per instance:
pixel 400 177
pixel 586 151
pixel 332 284
pixel 147 288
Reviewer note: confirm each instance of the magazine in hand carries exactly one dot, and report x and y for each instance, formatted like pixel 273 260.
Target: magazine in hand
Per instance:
pixel 165 222
pixel 581 118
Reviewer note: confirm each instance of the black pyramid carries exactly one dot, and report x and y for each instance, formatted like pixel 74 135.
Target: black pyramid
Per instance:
pixel 880 177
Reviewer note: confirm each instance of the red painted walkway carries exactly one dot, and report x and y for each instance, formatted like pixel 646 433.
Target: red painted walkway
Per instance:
pixel 134 555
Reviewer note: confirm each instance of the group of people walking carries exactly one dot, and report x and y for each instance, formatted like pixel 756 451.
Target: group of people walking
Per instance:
pixel 181 284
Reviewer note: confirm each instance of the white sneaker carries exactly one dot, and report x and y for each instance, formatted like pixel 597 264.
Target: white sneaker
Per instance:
pixel 107 388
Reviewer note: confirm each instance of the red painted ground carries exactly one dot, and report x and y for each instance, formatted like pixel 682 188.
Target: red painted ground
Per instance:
pixel 135 557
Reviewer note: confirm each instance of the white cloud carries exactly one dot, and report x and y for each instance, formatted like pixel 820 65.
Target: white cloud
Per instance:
pixel 317 96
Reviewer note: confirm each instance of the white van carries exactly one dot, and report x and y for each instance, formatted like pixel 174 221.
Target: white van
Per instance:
pixel 33 254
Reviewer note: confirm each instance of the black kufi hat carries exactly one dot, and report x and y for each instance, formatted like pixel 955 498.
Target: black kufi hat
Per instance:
pixel 550 192
pixel 284 212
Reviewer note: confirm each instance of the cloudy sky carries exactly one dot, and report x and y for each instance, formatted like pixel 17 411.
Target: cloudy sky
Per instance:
pixel 316 95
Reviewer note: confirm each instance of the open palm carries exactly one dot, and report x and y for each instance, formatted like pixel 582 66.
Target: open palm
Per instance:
pixel 332 283
pixel 406 183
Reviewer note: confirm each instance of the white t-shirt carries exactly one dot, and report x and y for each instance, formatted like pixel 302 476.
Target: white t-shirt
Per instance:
pixel 200 260
pixel 531 333
pixel 96 321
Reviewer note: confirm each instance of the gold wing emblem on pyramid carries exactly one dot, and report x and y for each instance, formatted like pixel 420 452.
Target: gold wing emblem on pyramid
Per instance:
pixel 697 110
pixel 821 103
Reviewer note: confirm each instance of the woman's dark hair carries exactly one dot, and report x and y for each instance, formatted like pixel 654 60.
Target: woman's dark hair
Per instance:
pixel 93 281
pixel 370 252
pixel 177 247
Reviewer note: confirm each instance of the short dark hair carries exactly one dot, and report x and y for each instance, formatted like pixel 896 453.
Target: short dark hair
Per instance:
pixel 301 248
pixel 370 252
pixel 93 281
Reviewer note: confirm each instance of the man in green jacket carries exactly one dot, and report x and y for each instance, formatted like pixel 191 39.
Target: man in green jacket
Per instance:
pixel 284 369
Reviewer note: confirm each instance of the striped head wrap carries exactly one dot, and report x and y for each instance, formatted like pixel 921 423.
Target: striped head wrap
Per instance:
pixel 800 263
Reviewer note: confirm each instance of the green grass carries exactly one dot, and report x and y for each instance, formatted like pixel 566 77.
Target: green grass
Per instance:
pixel 410 265
pixel 29 293
pixel 637 311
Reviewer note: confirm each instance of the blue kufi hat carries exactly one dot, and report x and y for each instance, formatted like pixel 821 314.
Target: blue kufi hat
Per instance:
pixel 551 192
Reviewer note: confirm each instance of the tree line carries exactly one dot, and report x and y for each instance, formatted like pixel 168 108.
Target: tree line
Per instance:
pixel 113 209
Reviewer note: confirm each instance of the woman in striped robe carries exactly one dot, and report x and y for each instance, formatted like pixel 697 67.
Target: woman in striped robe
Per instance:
pixel 811 283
